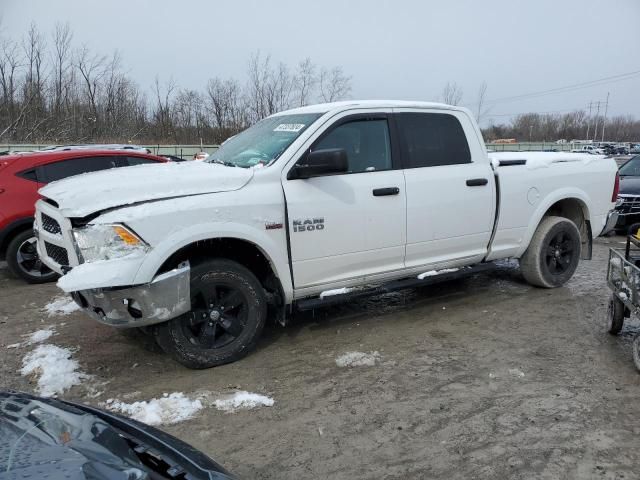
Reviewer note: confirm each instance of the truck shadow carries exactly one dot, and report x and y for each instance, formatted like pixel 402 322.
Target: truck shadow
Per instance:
pixel 503 281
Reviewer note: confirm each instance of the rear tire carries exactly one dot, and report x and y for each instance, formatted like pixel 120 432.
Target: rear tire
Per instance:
pixel 553 253
pixel 228 313
pixel 23 260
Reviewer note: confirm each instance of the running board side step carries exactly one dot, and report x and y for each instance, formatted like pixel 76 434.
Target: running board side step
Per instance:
pixel 412 282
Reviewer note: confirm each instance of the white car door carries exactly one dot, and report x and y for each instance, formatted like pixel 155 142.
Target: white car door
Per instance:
pixel 344 227
pixel 450 188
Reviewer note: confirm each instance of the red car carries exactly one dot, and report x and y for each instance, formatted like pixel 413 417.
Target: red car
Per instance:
pixel 21 176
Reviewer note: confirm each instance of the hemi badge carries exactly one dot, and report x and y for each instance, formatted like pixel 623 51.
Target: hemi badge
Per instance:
pixel 272 226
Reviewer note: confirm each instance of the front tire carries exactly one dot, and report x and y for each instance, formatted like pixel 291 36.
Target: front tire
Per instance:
pixel 228 313
pixel 553 254
pixel 23 260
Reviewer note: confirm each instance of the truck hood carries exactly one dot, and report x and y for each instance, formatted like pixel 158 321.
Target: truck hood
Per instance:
pixel 88 193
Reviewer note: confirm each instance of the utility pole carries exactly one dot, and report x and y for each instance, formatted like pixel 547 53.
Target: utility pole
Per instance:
pixel 604 120
pixel 595 131
pixel 589 120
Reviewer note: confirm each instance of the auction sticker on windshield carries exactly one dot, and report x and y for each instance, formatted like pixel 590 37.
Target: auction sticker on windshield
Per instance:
pixel 289 127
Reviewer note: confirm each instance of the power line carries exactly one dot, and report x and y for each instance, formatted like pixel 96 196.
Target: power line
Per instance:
pixel 567 88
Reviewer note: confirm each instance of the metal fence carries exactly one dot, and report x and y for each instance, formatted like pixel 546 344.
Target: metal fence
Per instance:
pixel 532 147
pixel 183 151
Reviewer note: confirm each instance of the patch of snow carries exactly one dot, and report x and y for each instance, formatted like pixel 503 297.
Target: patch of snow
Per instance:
pixel 170 408
pixel 61 306
pixel 14 345
pixel 358 359
pixel 54 367
pixel 40 336
pixel 516 372
pixel 336 291
pixel 433 273
pixel 623 295
pixel 243 401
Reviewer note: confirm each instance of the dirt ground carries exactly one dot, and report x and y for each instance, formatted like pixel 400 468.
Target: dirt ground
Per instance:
pixel 483 378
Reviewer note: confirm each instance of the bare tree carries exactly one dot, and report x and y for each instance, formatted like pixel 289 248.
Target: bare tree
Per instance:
pixel 334 84
pixel 269 89
pixel 305 81
pixel 482 91
pixel 452 93
pixel 162 113
pixel 61 63
pixel 227 106
pixel 9 69
pixel 92 71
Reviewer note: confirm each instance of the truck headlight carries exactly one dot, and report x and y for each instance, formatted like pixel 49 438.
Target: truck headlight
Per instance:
pixel 105 242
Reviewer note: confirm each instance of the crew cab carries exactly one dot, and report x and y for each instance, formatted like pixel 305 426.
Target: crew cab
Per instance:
pixel 21 175
pixel 310 206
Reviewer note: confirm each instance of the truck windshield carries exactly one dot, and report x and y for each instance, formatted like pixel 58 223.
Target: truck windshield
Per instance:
pixel 263 142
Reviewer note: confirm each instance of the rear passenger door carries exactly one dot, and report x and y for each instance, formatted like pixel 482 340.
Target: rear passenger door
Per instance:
pixel 75 166
pixel 450 188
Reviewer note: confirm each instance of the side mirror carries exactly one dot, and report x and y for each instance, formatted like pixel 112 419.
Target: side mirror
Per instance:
pixel 321 162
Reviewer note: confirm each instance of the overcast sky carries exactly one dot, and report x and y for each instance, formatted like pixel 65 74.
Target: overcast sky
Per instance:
pixel 392 49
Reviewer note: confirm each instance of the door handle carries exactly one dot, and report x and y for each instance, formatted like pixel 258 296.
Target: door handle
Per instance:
pixel 381 192
pixel 477 182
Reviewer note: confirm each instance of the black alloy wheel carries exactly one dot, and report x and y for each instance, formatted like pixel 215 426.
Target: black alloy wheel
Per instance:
pixel 228 313
pixel 560 252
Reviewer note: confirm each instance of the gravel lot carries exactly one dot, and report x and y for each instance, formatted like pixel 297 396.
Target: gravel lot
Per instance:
pixel 484 377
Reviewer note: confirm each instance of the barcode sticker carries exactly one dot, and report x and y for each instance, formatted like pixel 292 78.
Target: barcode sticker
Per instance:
pixel 289 127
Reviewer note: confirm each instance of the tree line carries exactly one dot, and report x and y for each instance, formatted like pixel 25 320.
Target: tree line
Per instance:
pixel 576 125
pixel 549 127
pixel 53 91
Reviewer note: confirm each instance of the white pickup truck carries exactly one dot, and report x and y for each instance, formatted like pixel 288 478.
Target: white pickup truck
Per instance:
pixel 310 206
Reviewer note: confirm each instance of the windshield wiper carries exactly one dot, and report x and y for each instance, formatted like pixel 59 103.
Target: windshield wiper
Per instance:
pixel 222 162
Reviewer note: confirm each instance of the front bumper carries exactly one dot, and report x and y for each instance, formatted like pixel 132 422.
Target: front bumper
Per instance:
pixel 612 221
pixel 167 296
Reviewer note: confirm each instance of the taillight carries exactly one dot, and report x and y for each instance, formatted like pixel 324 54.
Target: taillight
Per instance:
pixel 616 188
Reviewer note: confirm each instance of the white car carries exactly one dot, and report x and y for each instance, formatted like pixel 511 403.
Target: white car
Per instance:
pixel 590 149
pixel 308 207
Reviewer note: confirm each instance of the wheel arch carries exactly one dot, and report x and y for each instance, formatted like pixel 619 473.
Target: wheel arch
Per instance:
pixel 256 252
pixel 572 205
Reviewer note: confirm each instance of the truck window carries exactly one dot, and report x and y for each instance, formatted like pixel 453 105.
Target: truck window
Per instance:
pixel 75 166
pixel 432 139
pixel 366 142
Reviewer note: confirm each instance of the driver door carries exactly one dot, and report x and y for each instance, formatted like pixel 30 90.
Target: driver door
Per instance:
pixel 346 227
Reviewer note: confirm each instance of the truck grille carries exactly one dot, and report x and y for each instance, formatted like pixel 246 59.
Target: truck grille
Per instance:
pixel 630 205
pixel 56 253
pixel 49 224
